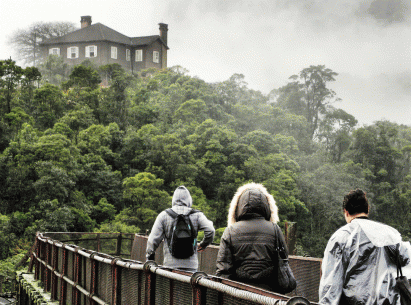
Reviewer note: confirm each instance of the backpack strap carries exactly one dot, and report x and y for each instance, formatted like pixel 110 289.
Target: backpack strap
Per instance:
pixel 171 213
pixel 193 231
pixel 174 216
pixel 192 211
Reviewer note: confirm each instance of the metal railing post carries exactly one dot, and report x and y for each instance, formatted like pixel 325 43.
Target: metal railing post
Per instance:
pixel 42 270
pixel 290 236
pixel 150 283
pixel 37 264
pixel 171 293
pixel 199 292
pixel 98 243
pixel 119 242
pixel 94 281
pixel 47 275
pixel 77 276
pixel 54 281
pixel 116 282
pixel 63 291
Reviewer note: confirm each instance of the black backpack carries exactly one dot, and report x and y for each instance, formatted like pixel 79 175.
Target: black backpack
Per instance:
pixel 183 237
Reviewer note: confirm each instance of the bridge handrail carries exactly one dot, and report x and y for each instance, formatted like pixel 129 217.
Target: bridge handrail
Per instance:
pixel 80 281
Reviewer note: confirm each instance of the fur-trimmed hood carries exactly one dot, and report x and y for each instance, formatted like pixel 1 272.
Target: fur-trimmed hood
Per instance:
pixel 252 200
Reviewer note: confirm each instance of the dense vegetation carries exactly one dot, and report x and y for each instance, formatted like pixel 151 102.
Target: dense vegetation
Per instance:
pixel 79 156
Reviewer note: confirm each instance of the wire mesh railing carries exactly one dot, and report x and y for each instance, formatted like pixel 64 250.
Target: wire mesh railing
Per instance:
pixel 73 274
pixel 307 270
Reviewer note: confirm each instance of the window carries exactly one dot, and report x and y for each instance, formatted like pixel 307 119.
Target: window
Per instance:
pixel 54 51
pixel 127 54
pixel 72 52
pixel 156 56
pixel 139 55
pixel 91 51
pixel 114 52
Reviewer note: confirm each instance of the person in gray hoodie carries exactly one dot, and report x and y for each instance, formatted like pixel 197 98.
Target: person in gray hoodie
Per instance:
pixel 181 204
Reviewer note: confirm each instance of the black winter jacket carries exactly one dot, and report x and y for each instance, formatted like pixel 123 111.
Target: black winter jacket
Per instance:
pixel 248 246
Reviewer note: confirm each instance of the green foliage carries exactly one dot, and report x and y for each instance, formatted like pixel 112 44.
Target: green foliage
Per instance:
pixel 103 211
pixel 8 270
pixel 140 217
pixel 54 70
pixel 106 156
pixel 308 95
pixel 218 234
pixel 83 76
pixel 16 118
pixel 144 191
pixel 48 105
pixel 10 76
pixel 116 227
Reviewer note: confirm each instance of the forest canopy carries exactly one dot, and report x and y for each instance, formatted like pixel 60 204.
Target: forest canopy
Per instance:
pixel 79 156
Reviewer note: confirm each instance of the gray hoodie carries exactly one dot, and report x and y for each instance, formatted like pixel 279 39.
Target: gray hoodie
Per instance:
pixel 181 204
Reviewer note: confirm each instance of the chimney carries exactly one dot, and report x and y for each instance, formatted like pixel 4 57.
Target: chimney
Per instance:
pixel 85 21
pixel 163 32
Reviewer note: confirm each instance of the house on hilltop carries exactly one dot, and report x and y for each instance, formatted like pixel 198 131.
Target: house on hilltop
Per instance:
pixel 103 45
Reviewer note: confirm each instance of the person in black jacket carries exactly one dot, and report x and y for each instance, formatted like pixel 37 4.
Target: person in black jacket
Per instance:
pixel 248 246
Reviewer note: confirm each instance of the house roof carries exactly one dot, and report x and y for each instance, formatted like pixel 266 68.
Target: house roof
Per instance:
pixel 100 32
pixel 144 40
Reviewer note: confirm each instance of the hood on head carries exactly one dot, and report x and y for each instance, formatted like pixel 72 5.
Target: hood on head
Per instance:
pixel 252 200
pixel 182 197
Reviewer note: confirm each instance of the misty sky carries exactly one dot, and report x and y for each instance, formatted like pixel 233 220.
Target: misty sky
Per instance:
pixel 368 43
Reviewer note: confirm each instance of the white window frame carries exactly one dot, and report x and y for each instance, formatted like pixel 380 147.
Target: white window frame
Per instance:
pixel 156 56
pixel 114 52
pixel 71 51
pixel 139 55
pixel 54 51
pixel 128 55
pixel 88 51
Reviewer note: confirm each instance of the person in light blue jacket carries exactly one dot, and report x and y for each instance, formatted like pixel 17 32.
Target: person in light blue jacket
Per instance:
pixel 359 265
pixel 181 204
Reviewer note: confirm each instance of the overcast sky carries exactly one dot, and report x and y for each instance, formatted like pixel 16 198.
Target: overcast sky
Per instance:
pixel 367 42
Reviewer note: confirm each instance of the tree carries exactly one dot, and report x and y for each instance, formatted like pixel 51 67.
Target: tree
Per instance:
pixel 78 119
pixel 213 146
pixel 114 104
pixel 83 76
pixel 191 111
pixel 145 200
pixel 49 105
pixel 10 76
pixel 308 94
pixel 32 77
pixel 54 70
pixel 262 141
pixel 103 211
pixel 335 131
pixel 322 189
pixel 16 118
pixel 144 191
pixel 83 88
pixel 26 42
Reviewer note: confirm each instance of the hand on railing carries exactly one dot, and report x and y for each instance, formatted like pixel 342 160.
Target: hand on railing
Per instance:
pixel 151 256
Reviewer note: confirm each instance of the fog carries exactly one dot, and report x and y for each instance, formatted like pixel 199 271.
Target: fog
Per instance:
pixel 368 43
